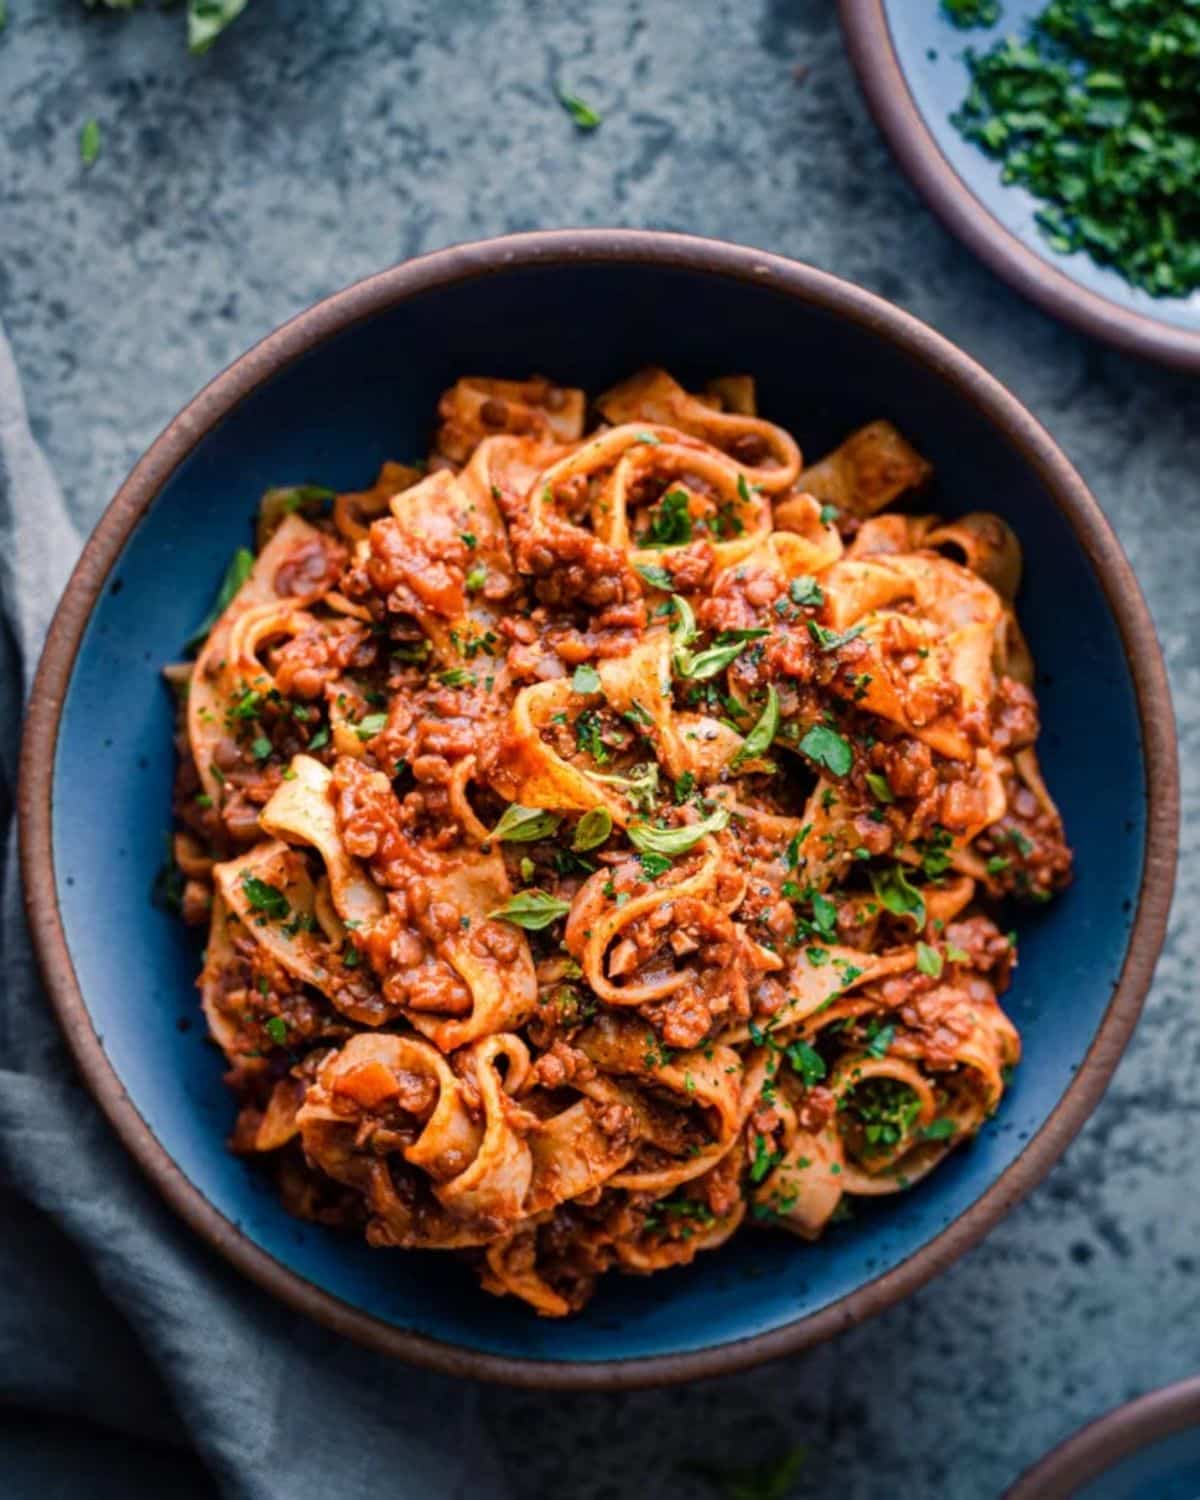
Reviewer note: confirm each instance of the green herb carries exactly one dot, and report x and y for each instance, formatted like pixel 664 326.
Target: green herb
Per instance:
pixel 828 515
pixel 656 577
pixel 261 748
pixel 997 864
pixel 1098 115
pixel 475 579
pixel 586 680
pixel 654 865
pixel 588 737
pixel 831 640
pixel 828 748
pixel 673 841
pixel 806 591
pixel 532 910
pixel 320 739
pixel 893 891
pixel 207 19
pixel 683 631
pixel 824 914
pixel 957 955
pixel 592 830
pixel 880 789
pixel 939 1130
pixel 929 961
pixel 240 567
pixel 818 957
pixel 370 725
pixel 761 737
pixel 263 897
pixel 524 825
pixel 880 1040
pixel 765 1159
pixel 670 523
pixel 89 142
pixel 455 677
pixel 583 116
pixel 699 665
pixel 808 1063
pixel 967 13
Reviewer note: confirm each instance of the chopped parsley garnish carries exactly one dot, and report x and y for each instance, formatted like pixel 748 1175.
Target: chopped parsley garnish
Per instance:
pixel 1097 114
pixel 967 13
pixel 880 789
pixel 879 1039
pixel 654 865
pixel 276 1029
pixel 808 1063
pixel 939 1130
pixel 670 523
pixel 828 748
pixel 806 591
pixel 320 739
pixel 264 897
pixel 89 142
pixel 475 579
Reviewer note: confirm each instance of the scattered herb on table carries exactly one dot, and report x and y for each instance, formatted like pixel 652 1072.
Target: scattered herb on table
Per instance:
pixel 1097 114
pixel 89 142
pixel 206 19
pixel 582 114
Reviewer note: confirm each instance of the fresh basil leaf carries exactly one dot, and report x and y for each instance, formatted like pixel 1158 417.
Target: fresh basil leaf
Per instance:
pixel 880 789
pixel 929 961
pixel 370 725
pixel 699 665
pixel 532 910
pixel 894 892
pixel 241 565
pixel 760 738
pixel 207 19
pixel 586 680
pixel 656 577
pixel 683 629
pixel 592 830
pixel 524 825
pixel 673 841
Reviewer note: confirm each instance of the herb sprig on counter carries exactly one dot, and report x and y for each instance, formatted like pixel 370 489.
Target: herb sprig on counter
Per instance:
pixel 1098 115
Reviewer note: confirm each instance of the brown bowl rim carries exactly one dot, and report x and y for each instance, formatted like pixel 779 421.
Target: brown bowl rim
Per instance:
pixel 869 43
pixel 364 300
pixel 1104 1442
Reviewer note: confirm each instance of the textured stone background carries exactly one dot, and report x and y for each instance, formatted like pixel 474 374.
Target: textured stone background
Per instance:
pixel 324 139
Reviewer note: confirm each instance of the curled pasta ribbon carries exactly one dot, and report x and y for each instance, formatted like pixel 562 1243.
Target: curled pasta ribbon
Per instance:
pixel 652 396
pixel 950 641
pixel 301 812
pixel 687 1112
pixel 802 542
pixel 985 544
pixel 271 891
pixel 531 772
pixel 910 1156
pixel 802 1192
pixel 501 980
pixel 383 1095
pixel 214 679
pixel 886 535
pixel 512 1270
pixel 219 1003
pixel 428 523
pixel 596 923
pixel 870 469
pixel 645 1257
pixel 354 510
pixel 478 407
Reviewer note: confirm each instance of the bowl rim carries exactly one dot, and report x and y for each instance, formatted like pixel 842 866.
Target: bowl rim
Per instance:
pixel 557 248
pixel 890 101
pixel 1104 1442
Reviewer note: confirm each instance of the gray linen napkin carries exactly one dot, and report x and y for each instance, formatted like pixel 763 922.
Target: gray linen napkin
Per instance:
pixel 109 1308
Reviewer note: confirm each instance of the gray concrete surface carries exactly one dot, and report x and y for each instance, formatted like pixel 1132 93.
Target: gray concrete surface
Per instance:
pixel 323 139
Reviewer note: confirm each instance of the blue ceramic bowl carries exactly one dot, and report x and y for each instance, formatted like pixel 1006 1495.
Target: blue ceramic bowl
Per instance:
pixel 355 380
pixel 1148 1449
pixel 911 60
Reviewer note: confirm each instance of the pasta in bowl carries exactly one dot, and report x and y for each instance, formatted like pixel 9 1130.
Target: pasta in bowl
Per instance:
pixel 603 832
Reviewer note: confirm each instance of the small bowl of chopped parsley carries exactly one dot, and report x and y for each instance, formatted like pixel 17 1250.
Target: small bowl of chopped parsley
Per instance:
pixel 1061 140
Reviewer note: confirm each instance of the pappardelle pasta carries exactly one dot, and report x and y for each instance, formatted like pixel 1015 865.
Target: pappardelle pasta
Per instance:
pixel 601 831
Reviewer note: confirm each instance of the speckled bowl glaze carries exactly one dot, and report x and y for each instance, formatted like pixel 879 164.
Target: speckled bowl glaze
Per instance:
pixel 355 380
pixel 1148 1449
pixel 911 61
